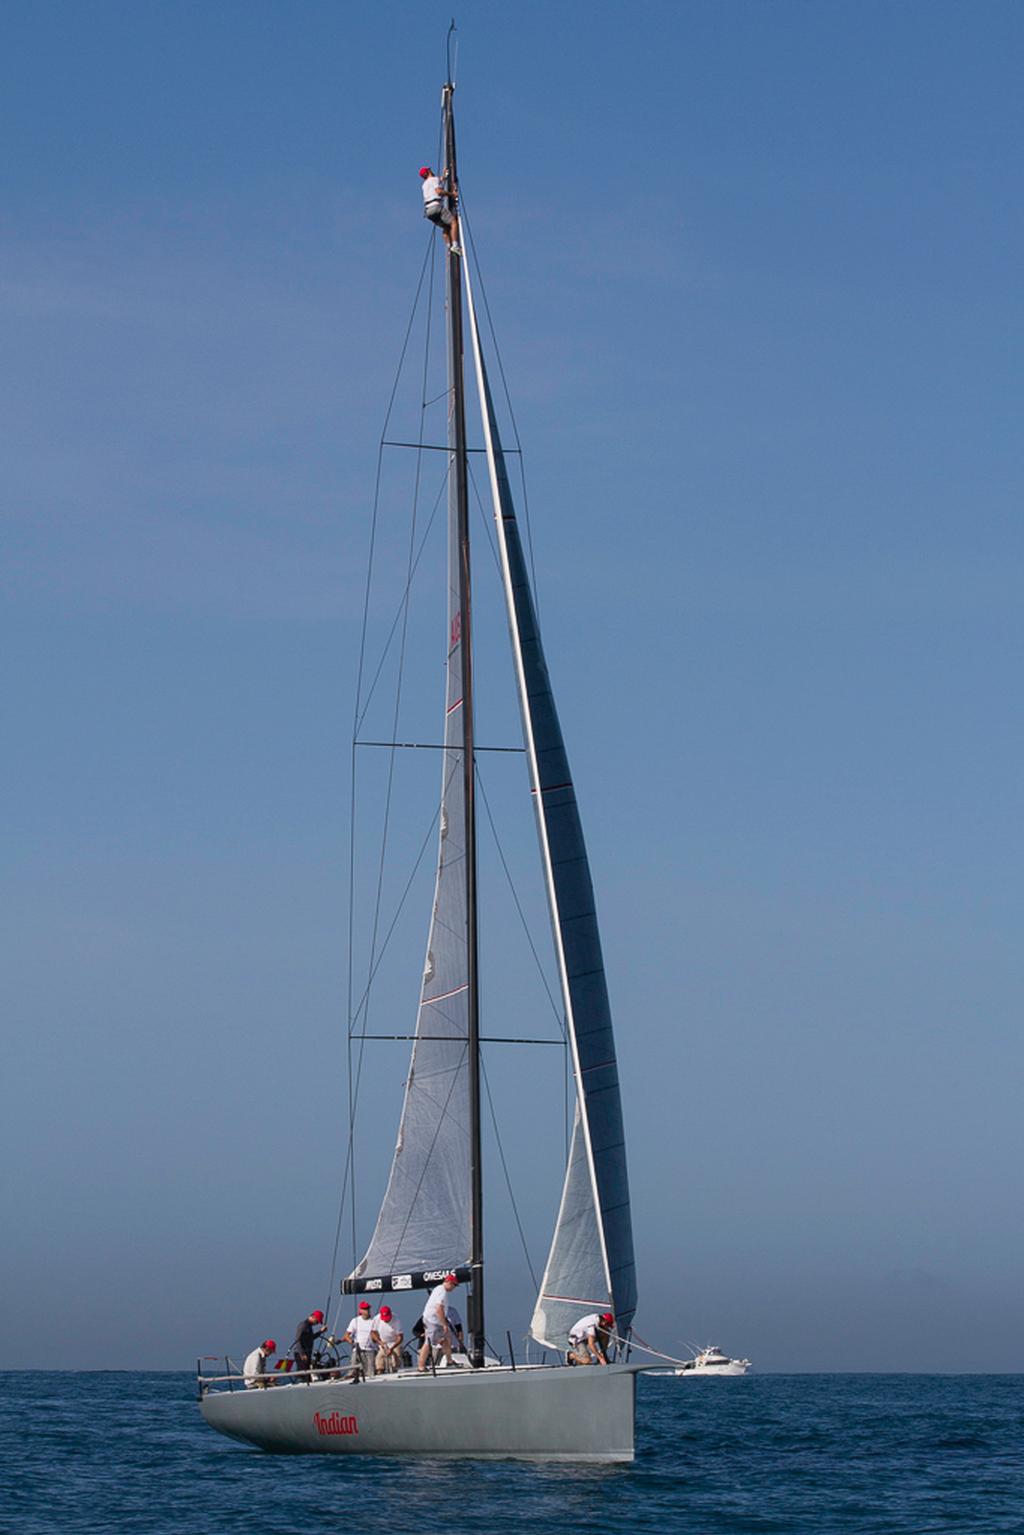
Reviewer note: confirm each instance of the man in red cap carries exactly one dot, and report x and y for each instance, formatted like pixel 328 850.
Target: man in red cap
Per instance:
pixel 302 1349
pixel 438 203
pixel 589 1338
pixel 359 1334
pixel 435 1323
pixel 387 1336
pixel 255 1366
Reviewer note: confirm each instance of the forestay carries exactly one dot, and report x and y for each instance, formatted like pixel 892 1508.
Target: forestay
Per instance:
pixel 590 1265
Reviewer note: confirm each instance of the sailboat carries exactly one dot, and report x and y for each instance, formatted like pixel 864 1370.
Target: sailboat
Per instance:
pixel 431 1218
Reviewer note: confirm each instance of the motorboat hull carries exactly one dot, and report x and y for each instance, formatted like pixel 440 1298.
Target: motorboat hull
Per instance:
pixel 540 1412
pixel 703 1371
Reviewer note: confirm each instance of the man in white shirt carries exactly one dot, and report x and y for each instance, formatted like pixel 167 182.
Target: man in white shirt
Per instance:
pixel 359 1333
pixel 387 1336
pixel 437 196
pixel 435 1323
pixel 589 1338
pixel 255 1366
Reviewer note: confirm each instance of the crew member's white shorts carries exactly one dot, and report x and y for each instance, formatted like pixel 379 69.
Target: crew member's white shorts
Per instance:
pixel 437 213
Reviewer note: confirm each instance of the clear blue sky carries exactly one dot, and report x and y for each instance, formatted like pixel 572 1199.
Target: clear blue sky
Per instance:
pixel 756 274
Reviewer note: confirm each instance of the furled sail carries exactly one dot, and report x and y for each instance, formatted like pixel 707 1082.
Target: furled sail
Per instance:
pixel 424 1220
pixel 590 1265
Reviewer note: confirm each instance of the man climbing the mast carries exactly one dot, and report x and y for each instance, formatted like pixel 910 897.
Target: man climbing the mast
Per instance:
pixel 438 204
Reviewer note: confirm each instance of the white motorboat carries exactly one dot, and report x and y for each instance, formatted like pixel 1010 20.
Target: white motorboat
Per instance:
pixel 431 1221
pixel 711 1361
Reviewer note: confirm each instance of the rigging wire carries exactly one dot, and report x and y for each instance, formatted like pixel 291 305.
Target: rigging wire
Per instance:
pixel 374 518
pixel 403 600
pixel 556 1010
pixel 451 68
pixel 426 842
pixel 454 1070
pixel 399 627
pixel 362 1033
pixel 485 521
pixel 508 402
pixel 536 597
pixel 427 261
pixel 393 755
pixel 508 1180
pixel 348 1179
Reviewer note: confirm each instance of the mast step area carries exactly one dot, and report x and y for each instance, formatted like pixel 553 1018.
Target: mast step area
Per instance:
pixel 418 1279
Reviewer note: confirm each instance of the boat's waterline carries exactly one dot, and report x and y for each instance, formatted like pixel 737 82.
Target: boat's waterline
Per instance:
pixel 542 1412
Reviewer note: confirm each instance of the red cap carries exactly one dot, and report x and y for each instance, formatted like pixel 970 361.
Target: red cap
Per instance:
pixel 385 1312
pixel 606 1316
pixel 424 170
pixel 316 1316
pixel 364 1305
pixel 449 1279
pixel 269 1345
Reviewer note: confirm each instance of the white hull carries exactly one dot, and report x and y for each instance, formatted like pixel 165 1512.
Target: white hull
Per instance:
pixel 541 1412
pixel 734 1367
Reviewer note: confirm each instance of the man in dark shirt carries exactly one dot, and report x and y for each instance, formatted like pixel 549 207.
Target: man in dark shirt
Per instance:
pixel 302 1349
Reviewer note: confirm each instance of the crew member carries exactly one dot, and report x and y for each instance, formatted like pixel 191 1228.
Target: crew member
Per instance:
pixel 302 1349
pixel 387 1337
pixel 589 1339
pixel 359 1333
pixel 435 1323
pixel 455 1328
pixel 255 1366
pixel 437 196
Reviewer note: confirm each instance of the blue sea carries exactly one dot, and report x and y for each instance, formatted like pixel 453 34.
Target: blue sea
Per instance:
pixel 788 1453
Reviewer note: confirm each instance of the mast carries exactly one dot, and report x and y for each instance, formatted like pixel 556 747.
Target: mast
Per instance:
pixel 459 511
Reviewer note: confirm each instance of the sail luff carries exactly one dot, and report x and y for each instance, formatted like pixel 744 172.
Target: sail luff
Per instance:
pixel 586 1217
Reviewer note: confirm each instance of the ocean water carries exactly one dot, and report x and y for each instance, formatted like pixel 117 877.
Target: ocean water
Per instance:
pixel 788 1453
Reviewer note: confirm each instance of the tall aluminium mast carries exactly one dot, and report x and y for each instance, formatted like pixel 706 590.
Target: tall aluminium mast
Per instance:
pixel 459 512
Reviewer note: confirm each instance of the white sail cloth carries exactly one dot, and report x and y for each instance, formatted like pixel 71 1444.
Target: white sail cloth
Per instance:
pixel 591 1260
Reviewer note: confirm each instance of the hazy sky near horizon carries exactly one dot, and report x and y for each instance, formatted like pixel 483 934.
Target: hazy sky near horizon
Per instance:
pixel 755 271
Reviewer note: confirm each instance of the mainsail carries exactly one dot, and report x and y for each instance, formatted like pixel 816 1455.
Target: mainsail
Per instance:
pixel 424 1219
pixel 590 1265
